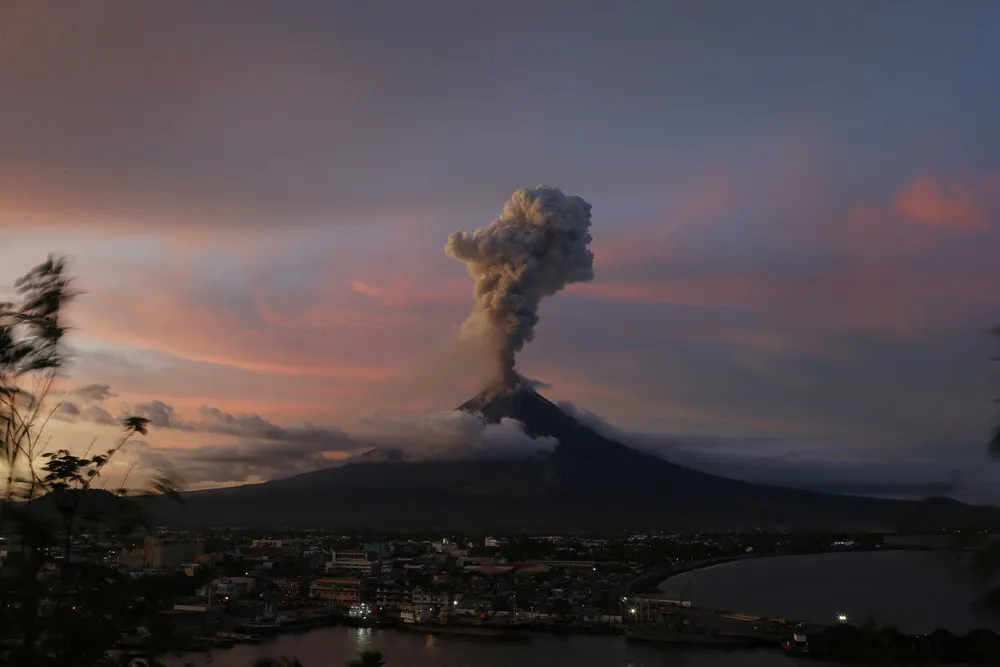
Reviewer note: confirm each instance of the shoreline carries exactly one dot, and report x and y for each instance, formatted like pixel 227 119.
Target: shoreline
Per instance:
pixel 641 586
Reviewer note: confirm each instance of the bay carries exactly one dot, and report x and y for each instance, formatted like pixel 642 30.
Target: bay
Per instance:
pixel 918 591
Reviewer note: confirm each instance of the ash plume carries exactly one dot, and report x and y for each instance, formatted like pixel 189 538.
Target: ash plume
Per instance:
pixel 534 249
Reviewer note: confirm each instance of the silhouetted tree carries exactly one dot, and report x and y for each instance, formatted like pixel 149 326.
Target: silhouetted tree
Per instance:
pixel 55 611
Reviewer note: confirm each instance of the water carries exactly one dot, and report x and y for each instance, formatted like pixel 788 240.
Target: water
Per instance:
pixel 915 590
pixel 334 647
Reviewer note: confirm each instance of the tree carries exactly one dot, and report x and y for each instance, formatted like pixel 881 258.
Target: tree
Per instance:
pixel 57 612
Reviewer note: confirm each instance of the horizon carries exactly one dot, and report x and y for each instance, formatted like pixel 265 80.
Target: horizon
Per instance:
pixel 796 214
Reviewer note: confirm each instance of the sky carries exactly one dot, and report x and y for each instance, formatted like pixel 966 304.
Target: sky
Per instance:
pixel 795 225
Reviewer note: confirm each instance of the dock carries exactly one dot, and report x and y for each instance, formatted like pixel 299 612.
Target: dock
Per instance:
pixel 660 618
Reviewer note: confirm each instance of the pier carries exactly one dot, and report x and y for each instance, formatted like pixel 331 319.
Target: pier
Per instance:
pixel 663 619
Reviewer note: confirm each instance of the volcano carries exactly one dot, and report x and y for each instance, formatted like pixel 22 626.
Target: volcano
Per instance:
pixel 588 484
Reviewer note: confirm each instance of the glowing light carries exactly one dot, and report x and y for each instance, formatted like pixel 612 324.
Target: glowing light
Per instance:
pixel 842 618
pixel 633 610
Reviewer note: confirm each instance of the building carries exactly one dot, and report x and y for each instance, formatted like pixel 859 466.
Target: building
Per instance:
pixel 491 542
pixel 428 600
pixel 362 563
pixel 226 588
pixel 159 553
pixel 268 544
pixel 340 590
pixel 389 597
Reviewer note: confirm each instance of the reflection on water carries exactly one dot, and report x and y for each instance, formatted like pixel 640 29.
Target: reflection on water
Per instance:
pixel 335 647
pixel 362 638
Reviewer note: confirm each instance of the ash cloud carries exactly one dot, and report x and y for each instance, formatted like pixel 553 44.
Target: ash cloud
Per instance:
pixel 534 249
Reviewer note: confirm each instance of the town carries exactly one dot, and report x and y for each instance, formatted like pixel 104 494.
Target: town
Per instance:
pixel 227 586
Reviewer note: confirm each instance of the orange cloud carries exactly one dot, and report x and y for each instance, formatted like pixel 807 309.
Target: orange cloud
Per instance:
pixel 939 202
pixel 152 312
pixel 374 291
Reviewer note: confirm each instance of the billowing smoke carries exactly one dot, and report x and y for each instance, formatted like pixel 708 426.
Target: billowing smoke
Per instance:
pixel 534 249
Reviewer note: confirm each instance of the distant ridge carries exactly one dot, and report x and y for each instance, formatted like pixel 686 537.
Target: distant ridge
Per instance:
pixel 589 484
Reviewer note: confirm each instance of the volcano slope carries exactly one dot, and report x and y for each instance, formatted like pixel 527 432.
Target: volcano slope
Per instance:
pixel 588 484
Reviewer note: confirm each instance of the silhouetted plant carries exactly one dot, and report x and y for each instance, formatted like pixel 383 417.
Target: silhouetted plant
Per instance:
pixel 55 612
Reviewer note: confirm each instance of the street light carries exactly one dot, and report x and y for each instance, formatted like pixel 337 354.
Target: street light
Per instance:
pixel 842 618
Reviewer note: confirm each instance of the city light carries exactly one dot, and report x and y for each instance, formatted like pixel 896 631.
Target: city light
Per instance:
pixel 633 610
pixel 842 618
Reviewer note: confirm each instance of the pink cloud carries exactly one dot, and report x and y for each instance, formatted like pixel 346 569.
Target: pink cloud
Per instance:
pixel 942 202
pixel 361 287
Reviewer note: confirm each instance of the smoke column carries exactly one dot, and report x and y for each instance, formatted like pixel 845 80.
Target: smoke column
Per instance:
pixel 534 249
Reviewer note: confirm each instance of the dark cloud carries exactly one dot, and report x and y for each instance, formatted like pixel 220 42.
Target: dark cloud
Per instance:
pixel 160 415
pixel 267 451
pixel 883 472
pixel 98 415
pixel 249 426
pixel 93 393
pixel 211 465
pixel 213 114
pixel 66 409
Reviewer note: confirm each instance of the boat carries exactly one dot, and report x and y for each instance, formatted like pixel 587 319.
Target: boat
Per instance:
pixel 266 623
pixel 797 645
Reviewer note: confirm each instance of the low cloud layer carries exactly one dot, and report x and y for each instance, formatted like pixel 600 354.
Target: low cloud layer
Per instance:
pixel 259 450
pixel 263 450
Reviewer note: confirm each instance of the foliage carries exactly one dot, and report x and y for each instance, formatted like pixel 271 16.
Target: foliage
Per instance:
pixel 61 605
